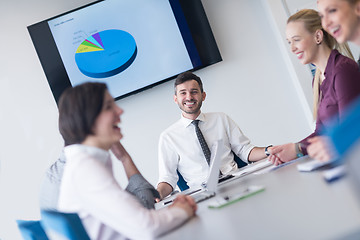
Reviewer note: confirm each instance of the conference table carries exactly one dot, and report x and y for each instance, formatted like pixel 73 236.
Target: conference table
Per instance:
pixel 294 205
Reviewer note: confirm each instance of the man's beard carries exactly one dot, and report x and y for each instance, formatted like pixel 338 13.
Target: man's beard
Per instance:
pixel 196 110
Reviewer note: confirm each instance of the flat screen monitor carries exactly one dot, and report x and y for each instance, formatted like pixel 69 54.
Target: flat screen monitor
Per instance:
pixel 131 45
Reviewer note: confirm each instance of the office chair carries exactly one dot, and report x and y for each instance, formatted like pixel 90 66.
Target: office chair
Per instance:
pixel 182 184
pixel 239 162
pixel 31 230
pixel 59 225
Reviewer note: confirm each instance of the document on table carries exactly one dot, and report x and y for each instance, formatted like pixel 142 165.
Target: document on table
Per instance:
pixel 252 168
pixel 266 170
pixel 273 167
pixel 222 201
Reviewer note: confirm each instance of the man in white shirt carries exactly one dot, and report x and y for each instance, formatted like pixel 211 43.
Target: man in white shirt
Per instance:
pixel 179 147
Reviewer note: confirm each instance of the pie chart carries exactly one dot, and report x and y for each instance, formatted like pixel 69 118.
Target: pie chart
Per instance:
pixel 106 53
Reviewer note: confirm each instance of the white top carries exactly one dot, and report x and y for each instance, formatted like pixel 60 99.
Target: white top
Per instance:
pixel 180 149
pixel 107 211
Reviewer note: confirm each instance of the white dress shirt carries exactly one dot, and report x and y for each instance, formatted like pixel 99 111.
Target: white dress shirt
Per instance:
pixel 180 149
pixel 49 193
pixel 107 211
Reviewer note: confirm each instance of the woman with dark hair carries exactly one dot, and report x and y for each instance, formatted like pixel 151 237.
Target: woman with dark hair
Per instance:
pixel 88 122
pixel 49 193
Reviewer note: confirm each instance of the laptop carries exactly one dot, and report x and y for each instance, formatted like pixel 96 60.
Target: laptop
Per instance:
pixel 208 188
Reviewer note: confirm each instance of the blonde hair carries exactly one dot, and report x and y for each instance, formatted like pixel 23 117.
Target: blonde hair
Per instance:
pixel 312 23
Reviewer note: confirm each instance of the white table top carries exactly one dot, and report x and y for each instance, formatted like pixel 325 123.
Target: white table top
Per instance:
pixel 294 205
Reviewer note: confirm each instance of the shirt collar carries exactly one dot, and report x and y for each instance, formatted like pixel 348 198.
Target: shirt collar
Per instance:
pixel 186 122
pixel 97 153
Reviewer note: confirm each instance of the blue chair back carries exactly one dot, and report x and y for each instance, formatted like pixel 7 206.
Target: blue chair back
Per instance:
pixel 66 225
pixel 239 162
pixel 31 230
pixel 182 184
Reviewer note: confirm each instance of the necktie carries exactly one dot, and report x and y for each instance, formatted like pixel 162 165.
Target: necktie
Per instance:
pixel 202 141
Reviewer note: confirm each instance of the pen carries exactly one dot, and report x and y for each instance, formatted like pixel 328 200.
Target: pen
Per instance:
pixel 167 202
pixel 227 198
pixel 192 192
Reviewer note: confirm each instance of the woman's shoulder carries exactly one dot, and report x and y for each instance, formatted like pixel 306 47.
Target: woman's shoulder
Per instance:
pixel 346 72
pixel 344 63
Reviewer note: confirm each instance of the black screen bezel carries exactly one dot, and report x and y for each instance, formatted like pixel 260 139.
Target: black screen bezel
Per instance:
pixel 192 21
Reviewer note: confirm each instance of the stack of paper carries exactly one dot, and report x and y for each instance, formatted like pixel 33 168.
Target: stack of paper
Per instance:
pixel 252 168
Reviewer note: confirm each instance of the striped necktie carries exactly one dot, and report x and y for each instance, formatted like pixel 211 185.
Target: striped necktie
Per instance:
pixel 202 141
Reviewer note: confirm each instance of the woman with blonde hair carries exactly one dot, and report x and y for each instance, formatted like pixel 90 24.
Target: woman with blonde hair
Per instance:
pixel 336 82
pixel 341 18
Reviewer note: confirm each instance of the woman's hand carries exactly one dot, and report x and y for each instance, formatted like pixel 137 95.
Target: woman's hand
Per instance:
pixel 187 203
pixel 122 155
pixel 320 149
pixel 120 152
pixel 282 153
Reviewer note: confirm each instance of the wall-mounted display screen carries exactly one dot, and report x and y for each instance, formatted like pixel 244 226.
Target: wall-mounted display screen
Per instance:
pixel 131 45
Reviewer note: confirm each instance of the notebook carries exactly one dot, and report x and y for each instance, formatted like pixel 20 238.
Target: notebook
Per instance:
pixel 208 188
pixel 250 168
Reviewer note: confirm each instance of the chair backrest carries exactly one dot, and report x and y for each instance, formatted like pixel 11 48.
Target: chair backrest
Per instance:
pixel 182 184
pixel 59 225
pixel 31 230
pixel 239 162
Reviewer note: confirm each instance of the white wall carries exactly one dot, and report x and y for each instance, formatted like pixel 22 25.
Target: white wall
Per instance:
pixel 300 74
pixel 252 85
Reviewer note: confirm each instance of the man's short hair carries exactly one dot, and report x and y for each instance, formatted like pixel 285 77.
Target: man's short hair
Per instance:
pixel 78 109
pixel 187 76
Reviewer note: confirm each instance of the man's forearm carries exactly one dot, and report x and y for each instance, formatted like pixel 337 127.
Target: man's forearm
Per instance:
pixel 164 189
pixel 256 154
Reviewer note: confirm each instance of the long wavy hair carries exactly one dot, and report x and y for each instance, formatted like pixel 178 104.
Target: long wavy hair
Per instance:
pixel 312 23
